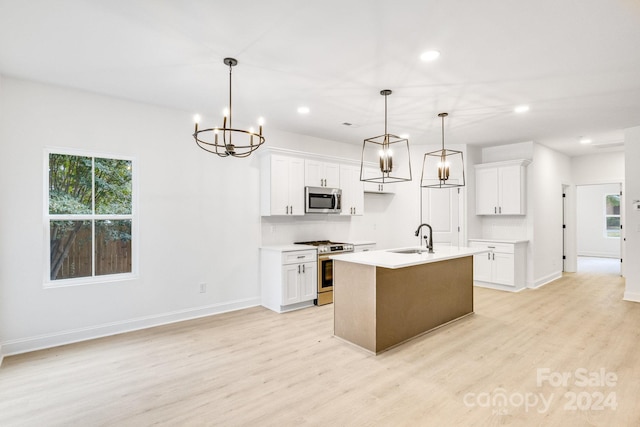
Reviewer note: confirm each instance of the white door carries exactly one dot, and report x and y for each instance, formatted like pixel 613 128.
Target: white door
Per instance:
pixel 291 286
pixel 309 281
pixel 509 190
pixel 280 185
pixel 296 187
pixel 313 173
pixel 504 268
pixel 486 191
pixel 482 265
pixel 332 175
pixel 440 209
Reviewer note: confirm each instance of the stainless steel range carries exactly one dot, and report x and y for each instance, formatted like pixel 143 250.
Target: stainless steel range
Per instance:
pixel 326 248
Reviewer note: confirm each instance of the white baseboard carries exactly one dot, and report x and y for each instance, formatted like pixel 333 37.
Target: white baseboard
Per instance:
pixel 496 286
pixel 545 280
pixel 24 345
pixel 599 254
pixel 631 296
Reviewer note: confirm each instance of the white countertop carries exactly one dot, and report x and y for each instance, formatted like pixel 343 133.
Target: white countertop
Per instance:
pixel 288 248
pixel 498 241
pixel 388 259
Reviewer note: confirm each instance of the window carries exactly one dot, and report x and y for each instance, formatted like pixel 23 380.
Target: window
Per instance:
pixel 612 215
pixel 90 218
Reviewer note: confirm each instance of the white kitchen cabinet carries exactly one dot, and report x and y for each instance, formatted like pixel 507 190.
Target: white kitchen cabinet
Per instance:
pixel 352 190
pixel 502 267
pixel 501 188
pixel 289 277
pixel 374 187
pixel 321 174
pixel 282 189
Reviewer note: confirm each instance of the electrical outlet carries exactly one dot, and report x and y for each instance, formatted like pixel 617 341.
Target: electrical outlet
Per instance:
pixel 203 288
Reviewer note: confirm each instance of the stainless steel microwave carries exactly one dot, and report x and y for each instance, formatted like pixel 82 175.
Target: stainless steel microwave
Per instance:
pixel 322 200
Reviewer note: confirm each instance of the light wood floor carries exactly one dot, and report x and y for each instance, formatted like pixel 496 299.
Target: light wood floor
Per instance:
pixel 255 367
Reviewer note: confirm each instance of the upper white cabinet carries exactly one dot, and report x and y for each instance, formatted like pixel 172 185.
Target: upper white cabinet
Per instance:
pixel 321 174
pixel 352 190
pixel 374 187
pixel 282 192
pixel 501 188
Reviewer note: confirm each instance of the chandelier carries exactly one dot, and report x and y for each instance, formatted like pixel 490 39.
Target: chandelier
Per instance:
pixel 227 141
pixel 443 168
pixel 389 153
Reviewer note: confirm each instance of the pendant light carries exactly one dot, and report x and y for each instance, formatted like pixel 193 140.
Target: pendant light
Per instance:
pixel 385 158
pixel 443 168
pixel 227 141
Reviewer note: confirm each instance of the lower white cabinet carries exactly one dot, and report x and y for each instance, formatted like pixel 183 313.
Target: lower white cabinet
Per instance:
pixel 289 277
pixel 502 267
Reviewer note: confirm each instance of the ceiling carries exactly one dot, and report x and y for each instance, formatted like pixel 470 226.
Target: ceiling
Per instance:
pixel 576 63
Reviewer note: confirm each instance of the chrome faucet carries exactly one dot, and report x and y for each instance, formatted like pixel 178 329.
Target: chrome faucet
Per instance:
pixel 430 240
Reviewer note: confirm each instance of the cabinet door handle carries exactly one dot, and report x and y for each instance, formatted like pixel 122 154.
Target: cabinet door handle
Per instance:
pixel 354 210
pixel 298 269
pixel 495 210
pixel 300 256
pixel 291 209
pixel 500 209
pixel 489 256
pixel 287 210
pixel 493 257
pixel 303 269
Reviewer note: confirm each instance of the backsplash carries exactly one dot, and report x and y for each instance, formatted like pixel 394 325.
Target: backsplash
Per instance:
pixel 286 230
pixel 505 227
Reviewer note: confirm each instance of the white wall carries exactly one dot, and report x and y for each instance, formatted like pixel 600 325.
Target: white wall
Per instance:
pixel 550 170
pixel 197 214
pixel 632 217
pixel 590 208
pixel 602 168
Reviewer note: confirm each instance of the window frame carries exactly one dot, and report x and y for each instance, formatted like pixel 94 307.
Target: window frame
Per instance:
pixel 47 218
pixel 607 216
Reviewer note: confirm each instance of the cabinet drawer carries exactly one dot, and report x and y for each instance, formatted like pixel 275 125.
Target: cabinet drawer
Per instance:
pixel 503 248
pixel 299 257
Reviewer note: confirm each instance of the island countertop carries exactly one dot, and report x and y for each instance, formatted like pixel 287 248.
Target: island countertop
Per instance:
pixel 390 258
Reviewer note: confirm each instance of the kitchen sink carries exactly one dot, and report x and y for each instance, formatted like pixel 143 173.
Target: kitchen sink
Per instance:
pixel 408 251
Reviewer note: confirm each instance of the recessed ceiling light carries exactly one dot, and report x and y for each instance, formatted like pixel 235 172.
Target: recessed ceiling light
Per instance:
pixel 430 55
pixel 303 110
pixel 521 109
pixel 585 141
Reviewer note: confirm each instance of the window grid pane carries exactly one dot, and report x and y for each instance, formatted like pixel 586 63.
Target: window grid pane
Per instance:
pixel 70 249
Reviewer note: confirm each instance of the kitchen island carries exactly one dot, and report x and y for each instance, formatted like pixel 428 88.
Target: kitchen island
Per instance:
pixel 383 298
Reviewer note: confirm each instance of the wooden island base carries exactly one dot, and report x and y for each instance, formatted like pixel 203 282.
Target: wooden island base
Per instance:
pixel 378 308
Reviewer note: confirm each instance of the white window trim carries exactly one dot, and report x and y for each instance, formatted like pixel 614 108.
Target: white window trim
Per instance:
pixel 135 240
pixel 606 231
